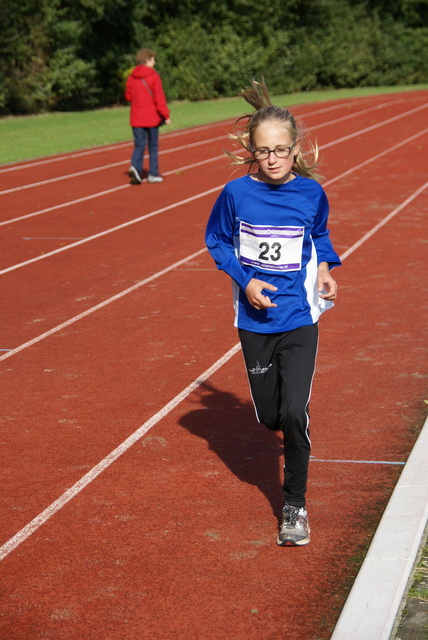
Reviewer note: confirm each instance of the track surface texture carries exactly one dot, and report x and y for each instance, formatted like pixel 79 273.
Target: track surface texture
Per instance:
pixel 140 497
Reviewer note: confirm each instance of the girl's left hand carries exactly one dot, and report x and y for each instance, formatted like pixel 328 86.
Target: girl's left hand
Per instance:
pixel 326 282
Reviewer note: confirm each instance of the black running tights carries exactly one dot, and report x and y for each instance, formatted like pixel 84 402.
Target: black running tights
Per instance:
pixel 280 369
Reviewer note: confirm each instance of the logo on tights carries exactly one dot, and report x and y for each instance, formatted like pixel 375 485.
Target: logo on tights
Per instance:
pixel 258 369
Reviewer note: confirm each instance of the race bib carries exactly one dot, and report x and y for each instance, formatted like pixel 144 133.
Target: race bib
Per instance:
pixel 271 248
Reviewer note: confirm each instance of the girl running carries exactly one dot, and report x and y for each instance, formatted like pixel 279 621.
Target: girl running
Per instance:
pixel 268 231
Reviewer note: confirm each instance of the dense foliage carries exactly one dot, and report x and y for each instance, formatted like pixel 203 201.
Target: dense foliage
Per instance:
pixel 75 54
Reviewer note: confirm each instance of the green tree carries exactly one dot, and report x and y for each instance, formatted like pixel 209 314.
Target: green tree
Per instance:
pixel 74 54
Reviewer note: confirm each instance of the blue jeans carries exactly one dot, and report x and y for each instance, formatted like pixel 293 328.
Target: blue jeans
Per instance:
pixel 142 135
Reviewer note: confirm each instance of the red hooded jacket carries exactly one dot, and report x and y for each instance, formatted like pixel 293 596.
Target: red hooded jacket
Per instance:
pixel 148 105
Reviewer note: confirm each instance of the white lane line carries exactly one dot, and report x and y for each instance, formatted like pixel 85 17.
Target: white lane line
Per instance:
pixel 13 166
pixel 113 229
pixel 417 135
pixel 357 102
pixel 129 143
pixel 53 508
pixel 64 204
pixel 182 148
pixel 383 222
pixel 109 166
pixel 343 257
pixel 374 126
pixel 102 149
pixel 119 145
pixel 313 459
pixel 374 601
pixel 103 193
pixel 24 533
pixel 89 238
pixel 88 312
pixel 350 116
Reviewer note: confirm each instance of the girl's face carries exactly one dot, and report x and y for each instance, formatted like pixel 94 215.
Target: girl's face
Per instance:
pixel 270 135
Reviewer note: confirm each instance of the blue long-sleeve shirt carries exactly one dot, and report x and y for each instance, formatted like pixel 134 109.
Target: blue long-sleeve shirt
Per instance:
pixel 276 233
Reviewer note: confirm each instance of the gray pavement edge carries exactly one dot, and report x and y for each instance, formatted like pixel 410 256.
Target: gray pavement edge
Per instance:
pixel 374 601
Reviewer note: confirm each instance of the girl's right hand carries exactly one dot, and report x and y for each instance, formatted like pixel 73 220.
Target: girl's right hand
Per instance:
pixel 255 296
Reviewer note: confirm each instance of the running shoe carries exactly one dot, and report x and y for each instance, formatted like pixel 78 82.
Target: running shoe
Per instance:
pixel 295 527
pixel 134 175
pixel 151 178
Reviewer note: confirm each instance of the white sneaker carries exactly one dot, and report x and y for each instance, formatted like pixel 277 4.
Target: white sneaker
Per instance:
pixel 151 178
pixel 294 529
pixel 134 175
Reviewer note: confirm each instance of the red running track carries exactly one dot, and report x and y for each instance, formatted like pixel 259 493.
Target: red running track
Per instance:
pixel 140 498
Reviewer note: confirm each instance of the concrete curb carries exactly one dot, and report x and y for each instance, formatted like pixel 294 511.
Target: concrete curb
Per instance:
pixel 376 595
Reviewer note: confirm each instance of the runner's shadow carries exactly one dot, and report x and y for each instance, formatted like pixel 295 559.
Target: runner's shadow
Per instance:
pixel 247 448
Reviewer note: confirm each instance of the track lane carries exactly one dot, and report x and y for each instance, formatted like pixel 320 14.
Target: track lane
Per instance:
pixel 163 551
pixel 229 538
pixel 159 295
pixel 89 159
pixel 190 138
pixel 90 385
pixel 81 184
pixel 65 234
pixel 51 290
pixel 155 531
pixel 33 299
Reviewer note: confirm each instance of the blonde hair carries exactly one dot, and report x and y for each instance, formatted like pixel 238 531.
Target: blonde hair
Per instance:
pixel 257 95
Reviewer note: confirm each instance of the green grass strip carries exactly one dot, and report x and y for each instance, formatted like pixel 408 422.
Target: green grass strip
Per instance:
pixel 24 137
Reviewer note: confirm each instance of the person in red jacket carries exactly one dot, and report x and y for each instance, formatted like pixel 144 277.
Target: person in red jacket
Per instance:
pixel 148 111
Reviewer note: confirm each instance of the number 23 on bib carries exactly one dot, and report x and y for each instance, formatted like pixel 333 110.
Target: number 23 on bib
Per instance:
pixel 276 249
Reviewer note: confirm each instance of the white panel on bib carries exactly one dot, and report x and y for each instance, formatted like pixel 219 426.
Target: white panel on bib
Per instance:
pixel 271 248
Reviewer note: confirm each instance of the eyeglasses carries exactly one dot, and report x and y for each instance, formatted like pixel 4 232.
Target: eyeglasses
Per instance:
pixel 280 152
